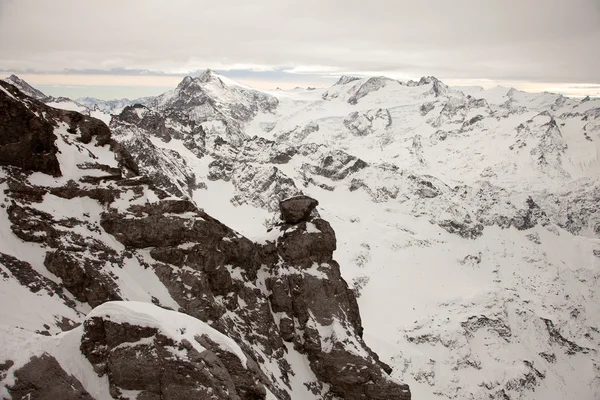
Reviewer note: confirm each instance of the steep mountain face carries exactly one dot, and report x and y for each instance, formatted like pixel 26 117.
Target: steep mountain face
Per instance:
pixel 26 88
pixel 218 105
pixel 466 222
pixel 183 306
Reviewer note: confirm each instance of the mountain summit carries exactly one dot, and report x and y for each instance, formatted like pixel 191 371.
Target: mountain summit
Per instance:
pixel 26 87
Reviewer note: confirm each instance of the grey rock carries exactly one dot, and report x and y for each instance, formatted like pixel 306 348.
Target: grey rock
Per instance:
pixel 465 230
pixel 210 272
pixel 371 85
pixel 367 122
pixel 82 277
pixel 42 378
pixel 296 209
pixel 150 366
pixel 426 107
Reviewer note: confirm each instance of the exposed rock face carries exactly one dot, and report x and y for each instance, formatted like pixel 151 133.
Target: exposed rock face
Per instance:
pixel 149 359
pixel 296 209
pixel 299 133
pixel 330 333
pixel 165 167
pixel 426 108
pixel 353 89
pixel 371 85
pixel 81 277
pixel 262 186
pixel 487 189
pixel 221 108
pixel 542 138
pixel 111 106
pixel 26 88
pixel 365 123
pixel 346 79
pixel 42 378
pixel 26 141
pixel 33 280
pixel 332 164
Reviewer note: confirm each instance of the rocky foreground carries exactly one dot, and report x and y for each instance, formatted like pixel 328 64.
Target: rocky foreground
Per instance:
pixel 118 289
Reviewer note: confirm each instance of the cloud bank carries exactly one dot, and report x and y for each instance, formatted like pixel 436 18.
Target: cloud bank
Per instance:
pixel 510 40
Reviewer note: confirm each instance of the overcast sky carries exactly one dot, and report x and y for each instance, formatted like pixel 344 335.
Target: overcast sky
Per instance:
pixel 112 48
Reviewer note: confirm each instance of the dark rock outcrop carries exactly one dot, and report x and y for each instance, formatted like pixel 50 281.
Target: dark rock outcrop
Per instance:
pixel 367 122
pixel 332 164
pixel 82 277
pixel 31 279
pixel 42 378
pixel 308 275
pixel 296 209
pixel 26 140
pixel 463 229
pixel 144 358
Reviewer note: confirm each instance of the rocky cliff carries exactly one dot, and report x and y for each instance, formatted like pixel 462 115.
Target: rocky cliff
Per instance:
pixel 123 290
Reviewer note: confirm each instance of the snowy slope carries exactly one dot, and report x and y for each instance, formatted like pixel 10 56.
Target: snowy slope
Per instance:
pixel 111 106
pixel 467 220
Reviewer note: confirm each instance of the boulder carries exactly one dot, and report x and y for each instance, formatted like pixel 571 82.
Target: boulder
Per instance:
pixel 297 208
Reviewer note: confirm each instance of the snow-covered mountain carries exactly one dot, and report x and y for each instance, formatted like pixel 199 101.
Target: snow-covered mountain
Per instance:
pixel 26 88
pixel 221 106
pixel 63 103
pixel 111 106
pixel 467 222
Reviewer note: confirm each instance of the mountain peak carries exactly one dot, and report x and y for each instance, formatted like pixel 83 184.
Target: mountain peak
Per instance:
pixel 25 87
pixel 344 79
pixel 208 75
pixel 187 80
pixel 427 80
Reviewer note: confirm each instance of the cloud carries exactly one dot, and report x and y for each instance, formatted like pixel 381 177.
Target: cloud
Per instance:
pixel 534 40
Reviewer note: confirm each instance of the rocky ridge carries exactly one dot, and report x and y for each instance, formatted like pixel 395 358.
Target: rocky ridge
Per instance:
pixel 248 321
